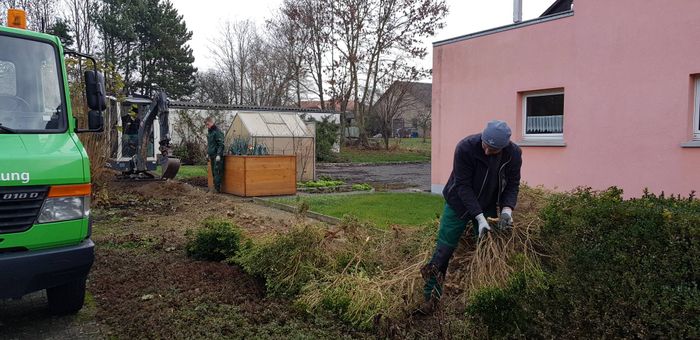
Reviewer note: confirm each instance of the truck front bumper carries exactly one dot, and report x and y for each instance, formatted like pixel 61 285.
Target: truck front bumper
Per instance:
pixel 29 271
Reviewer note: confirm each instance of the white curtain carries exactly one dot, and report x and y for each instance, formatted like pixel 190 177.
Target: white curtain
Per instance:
pixel 545 124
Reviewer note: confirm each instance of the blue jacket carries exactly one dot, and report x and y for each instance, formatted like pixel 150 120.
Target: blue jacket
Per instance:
pixel 467 182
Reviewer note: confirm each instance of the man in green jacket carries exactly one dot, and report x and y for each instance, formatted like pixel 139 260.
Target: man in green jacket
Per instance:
pixel 215 150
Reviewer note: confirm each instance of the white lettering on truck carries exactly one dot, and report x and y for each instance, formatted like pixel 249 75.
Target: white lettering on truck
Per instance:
pixel 14 177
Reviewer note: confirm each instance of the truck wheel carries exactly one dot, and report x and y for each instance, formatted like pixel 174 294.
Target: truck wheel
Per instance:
pixel 66 299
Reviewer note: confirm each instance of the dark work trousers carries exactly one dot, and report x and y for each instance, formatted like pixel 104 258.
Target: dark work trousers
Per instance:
pixel 217 171
pixel 451 229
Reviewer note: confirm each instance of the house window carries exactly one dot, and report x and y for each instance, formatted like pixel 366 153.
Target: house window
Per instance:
pixel 696 112
pixel 543 115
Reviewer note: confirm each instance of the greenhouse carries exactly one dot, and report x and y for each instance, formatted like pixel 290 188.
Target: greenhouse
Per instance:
pixel 274 133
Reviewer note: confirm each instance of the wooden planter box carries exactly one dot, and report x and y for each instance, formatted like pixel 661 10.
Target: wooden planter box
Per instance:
pixel 258 175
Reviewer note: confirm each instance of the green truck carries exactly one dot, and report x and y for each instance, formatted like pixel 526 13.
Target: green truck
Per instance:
pixel 44 170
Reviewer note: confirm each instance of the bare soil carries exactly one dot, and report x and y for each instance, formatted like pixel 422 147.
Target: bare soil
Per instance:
pixel 142 285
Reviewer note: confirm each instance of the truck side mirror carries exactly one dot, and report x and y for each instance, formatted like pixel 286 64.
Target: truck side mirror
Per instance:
pixel 95 90
pixel 95 121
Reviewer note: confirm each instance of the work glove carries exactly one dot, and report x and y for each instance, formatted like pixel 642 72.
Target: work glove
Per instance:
pixel 483 225
pixel 506 220
pixel 218 158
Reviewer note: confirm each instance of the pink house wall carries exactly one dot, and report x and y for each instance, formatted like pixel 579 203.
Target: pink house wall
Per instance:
pixel 627 68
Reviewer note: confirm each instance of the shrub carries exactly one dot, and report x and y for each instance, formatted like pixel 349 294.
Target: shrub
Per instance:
pixel 191 152
pixel 361 187
pixel 355 297
pixel 617 268
pixel 502 312
pixel 326 136
pixel 356 272
pixel 288 261
pixel 216 241
pixel 321 183
pixel 628 268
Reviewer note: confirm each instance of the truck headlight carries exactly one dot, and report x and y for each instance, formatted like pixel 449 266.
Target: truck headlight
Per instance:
pixel 64 209
pixel 66 202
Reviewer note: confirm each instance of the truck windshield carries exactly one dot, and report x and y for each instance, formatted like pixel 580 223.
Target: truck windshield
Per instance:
pixel 31 99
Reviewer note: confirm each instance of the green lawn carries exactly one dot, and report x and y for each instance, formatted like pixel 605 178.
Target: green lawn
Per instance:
pixel 382 156
pixel 189 171
pixel 402 150
pixel 381 209
pixel 414 144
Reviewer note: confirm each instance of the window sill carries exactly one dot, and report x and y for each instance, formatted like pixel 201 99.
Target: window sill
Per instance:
pixel 547 143
pixel 691 144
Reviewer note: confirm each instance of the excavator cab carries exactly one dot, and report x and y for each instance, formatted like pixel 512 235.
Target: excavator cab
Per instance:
pixel 138 147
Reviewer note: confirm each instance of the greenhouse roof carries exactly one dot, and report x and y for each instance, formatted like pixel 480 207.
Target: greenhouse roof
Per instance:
pixel 274 124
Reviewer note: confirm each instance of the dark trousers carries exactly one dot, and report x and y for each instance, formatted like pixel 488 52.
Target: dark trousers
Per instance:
pixel 217 171
pixel 451 229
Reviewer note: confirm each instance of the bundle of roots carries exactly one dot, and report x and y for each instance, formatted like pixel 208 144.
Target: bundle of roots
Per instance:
pixel 492 259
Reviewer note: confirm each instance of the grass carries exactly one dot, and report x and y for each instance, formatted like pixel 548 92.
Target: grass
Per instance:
pixel 380 209
pixel 402 150
pixel 189 171
pixel 414 144
pixel 382 156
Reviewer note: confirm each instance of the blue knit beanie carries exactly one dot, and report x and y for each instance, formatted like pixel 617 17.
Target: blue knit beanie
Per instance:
pixel 496 134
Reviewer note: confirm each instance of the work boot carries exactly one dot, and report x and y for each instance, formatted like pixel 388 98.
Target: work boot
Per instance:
pixel 432 291
pixel 429 306
pixel 429 271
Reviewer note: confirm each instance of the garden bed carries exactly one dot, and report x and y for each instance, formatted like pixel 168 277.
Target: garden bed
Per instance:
pixel 247 176
pixel 326 185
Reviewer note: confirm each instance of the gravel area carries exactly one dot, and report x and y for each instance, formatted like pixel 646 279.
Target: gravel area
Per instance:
pixel 387 177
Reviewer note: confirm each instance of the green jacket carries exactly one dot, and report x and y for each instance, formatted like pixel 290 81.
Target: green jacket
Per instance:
pixel 215 142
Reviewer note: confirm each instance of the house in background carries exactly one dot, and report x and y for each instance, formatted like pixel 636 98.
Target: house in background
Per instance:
pixel 408 105
pixel 603 94
pixel 351 129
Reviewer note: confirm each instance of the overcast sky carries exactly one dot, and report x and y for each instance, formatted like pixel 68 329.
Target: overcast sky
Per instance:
pixel 205 17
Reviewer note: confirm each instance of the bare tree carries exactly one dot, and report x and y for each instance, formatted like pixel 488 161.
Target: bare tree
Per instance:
pixel 79 15
pixel 213 87
pixel 292 41
pixel 259 69
pixel 224 49
pixel 396 100
pixel 349 34
pixel 348 49
pixel 373 35
pixel 425 119
pixel 233 51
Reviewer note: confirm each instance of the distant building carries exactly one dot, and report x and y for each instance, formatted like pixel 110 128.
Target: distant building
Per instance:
pixel 413 101
pixel 348 115
pixel 603 94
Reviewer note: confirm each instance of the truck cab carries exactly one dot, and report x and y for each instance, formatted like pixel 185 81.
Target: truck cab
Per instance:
pixel 45 183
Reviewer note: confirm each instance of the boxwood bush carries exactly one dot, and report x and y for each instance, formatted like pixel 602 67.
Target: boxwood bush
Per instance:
pixel 617 269
pixel 217 240
pixel 288 261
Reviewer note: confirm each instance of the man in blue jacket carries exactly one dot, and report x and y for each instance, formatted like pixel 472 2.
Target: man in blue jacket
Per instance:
pixel 485 177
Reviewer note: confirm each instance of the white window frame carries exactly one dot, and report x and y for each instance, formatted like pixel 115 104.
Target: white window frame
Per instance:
pixel 539 136
pixel 696 111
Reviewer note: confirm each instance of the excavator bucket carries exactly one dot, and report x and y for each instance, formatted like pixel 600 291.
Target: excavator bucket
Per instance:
pixel 170 168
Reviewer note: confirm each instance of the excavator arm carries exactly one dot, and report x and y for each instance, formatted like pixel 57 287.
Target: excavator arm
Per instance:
pixel 159 108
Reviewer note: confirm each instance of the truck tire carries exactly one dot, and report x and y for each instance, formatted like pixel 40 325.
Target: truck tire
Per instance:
pixel 66 299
